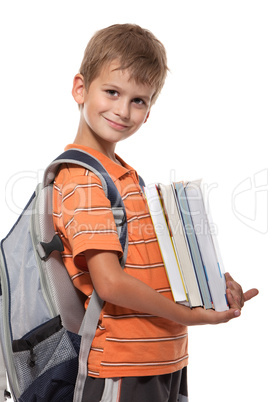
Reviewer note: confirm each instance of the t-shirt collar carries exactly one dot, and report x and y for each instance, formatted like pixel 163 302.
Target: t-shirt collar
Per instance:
pixel 115 170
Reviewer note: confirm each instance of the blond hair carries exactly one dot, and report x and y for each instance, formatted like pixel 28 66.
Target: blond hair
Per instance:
pixel 135 48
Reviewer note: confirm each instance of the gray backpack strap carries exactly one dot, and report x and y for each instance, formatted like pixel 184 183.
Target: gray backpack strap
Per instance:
pixel 87 332
pixel 3 379
pixel 84 159
pixel 92 314
pixel 4 394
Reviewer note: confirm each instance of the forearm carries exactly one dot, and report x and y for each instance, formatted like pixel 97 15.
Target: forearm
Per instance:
pixel 117 287
pixel 136 295
pixel 131 293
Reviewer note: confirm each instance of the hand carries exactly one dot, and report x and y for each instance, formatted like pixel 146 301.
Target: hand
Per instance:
pixel 201 316
pixel 235 295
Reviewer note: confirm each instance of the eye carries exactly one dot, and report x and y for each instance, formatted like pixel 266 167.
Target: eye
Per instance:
pixel 139 101
pixel 112 92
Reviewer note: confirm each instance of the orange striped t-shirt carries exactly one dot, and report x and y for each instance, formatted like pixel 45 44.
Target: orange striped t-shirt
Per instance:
pixel 127 342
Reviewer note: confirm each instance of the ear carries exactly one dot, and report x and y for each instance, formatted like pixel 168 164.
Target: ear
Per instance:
pixel 146 118
pixel 78 89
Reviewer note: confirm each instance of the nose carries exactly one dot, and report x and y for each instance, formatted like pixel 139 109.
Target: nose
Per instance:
pixel 122 109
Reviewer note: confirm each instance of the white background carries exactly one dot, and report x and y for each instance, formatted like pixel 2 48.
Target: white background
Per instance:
pixel 213 120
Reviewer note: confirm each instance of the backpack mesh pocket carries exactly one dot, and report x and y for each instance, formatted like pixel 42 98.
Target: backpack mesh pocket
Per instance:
pixel 46 362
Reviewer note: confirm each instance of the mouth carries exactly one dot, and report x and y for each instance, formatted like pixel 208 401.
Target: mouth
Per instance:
pixel 115 125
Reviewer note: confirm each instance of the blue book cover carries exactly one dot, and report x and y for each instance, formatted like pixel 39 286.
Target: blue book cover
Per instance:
pixel 193 245
pixel 205 232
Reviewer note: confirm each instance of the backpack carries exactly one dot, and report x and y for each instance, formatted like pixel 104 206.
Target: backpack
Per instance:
pixel 45 333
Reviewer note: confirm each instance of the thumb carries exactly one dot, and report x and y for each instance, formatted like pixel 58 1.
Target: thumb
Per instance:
pixel 250 294
pixel 225 316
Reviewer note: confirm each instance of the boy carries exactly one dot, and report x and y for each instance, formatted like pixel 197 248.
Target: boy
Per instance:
pixel 139 352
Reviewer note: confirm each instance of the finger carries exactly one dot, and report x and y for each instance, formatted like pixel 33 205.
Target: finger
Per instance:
pixel 232 284
pixel 228 276
pixel 234 300
pixel 229 296
pixel 236 292
pixel 250 294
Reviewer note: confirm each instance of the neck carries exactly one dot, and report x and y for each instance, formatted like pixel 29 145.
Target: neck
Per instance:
pixel 87 138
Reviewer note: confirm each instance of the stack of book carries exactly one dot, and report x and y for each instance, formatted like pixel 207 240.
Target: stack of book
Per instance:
pixel 188 244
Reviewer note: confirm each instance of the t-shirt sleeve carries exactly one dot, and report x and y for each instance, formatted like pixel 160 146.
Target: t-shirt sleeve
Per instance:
pixel 88 221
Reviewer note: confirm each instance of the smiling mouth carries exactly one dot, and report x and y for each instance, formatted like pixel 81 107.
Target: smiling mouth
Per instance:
pixel 115 125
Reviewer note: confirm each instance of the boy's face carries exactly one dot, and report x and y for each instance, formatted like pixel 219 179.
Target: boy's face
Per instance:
pixel 114 107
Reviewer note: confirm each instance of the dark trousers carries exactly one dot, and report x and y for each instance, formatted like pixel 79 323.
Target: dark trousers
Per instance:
pixel 163 388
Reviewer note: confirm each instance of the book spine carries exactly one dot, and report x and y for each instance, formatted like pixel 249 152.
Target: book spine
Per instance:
pixel 165 244
pixel 193 245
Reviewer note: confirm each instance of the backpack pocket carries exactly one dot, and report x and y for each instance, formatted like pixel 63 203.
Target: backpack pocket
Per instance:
pixel 46 363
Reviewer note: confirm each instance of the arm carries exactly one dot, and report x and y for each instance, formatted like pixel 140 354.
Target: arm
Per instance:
pixel 117 287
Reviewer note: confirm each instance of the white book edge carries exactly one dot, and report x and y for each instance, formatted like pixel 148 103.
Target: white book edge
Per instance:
pixel 182 248
pixel 165 244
